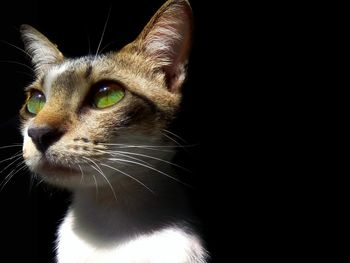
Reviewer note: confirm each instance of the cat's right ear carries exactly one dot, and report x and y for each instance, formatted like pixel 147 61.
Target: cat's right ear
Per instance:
pixel 166 41
pixel 43 52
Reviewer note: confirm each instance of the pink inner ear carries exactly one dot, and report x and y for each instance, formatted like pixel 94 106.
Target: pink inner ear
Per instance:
pixel 175 76
pixel 164 42
pixel 168 43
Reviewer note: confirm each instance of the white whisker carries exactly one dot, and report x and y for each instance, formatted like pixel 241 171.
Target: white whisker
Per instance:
pixel 128 175
pixel 19 153
pixel 98 169
pixel 148 147
pixel 82 174
pixel 94 178
pixel 18 158
pixel 138 146
pixel 151 168
pixel 12 174
pixel 33 179
pixel 18 48
pixel 175 135
pixel 173 140
pixel 17 63
pixel 11 146
pixel 143 147
pixel 110 43
pixel 114 153
pixel 39 182
pixel 155 158
pixel 103 32
pixel 96 185
pixel 25 73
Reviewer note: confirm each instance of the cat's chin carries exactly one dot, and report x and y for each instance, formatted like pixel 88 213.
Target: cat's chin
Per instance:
pixel 54 169
pixel 60 175
pixel 56 173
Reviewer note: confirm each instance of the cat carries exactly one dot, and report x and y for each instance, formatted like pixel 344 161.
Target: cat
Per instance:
pixel 95 124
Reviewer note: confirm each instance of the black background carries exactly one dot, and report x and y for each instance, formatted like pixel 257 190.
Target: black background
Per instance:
pixel 239 106
pixel 30 213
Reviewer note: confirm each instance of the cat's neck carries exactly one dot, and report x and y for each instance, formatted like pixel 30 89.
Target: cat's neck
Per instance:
pixel 127 213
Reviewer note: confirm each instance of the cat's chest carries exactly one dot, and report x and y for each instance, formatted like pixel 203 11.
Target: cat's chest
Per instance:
pixel 168 245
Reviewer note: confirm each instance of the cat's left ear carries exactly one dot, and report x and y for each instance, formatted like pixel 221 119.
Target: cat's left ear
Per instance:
pixel 166 40
pixel 43 52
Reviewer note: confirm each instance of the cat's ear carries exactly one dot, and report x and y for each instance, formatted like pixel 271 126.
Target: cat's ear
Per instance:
pixel 166 40
pixel 43 52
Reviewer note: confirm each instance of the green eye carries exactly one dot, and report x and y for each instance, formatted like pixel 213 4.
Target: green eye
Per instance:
pixel 108 94
pixel 36 102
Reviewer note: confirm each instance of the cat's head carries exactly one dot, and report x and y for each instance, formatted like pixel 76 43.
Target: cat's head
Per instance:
pixel 101 114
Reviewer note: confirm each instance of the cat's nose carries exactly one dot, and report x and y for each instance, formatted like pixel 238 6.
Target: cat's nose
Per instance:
pixel 43 136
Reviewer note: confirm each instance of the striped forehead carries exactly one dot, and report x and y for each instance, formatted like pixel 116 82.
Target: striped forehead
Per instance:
pixel 66 77
pixel 73 79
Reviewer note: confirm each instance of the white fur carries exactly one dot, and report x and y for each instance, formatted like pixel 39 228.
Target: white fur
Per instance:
pixel 51 76
pixel 76 244
pixel 162 41
pixel 169 245
pixel 30 153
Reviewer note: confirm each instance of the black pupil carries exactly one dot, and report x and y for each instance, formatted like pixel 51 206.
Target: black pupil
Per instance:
pixel 103 89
